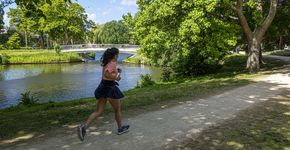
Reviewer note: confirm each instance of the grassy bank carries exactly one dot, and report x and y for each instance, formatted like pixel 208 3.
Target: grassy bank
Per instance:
pixel 280 53
pixel 137 59
pixel 40 118
pixel 36 56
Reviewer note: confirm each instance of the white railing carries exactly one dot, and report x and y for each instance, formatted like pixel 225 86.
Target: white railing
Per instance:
pixel 105 46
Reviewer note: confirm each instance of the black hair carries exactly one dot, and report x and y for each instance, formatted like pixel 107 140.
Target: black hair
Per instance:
pixel 108 55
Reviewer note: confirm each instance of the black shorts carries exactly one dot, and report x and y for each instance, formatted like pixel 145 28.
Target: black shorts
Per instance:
pixel 108 89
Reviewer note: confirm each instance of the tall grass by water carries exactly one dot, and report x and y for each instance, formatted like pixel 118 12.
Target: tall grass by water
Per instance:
pixel 37 56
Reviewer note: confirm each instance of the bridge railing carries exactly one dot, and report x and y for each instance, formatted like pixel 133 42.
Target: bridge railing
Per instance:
pixel 105 46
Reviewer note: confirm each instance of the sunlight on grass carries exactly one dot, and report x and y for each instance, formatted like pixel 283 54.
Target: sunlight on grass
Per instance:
pixel 24 137
pixel 95 133
pixel 235 144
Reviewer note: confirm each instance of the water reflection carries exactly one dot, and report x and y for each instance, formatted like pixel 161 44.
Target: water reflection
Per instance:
pixel 59 82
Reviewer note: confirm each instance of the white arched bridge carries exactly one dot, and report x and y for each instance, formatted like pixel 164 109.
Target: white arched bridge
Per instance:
pixel 84 48
pixel 125 50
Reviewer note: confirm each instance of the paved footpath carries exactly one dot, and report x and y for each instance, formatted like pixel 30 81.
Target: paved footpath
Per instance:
pixel 166 127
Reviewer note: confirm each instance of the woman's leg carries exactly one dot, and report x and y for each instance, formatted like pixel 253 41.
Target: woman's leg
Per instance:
pixel 117 109
pixel 101 103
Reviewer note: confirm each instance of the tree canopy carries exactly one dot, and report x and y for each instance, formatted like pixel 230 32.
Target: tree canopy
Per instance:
pixel 64 22
pixel 189 36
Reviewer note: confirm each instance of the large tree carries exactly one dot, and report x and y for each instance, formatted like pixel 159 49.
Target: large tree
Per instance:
pixel 31 4
pixel 115 32
pixel 129 22
pixel 64 21
pixel 189 36
pixel 28 24
pixel 255 35
pixel 97 34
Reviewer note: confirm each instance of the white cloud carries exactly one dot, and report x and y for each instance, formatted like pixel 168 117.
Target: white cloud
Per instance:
pixel 6 19
pixel 92 17
pixel 128 2
pixel 113 1
pixel 105 13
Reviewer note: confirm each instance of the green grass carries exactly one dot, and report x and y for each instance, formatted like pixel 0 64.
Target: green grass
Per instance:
pixel 280 53
pixel 40 118
pixel 38 56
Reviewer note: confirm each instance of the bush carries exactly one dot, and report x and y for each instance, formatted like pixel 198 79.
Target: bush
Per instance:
pixel 92 55
pixel 146 80
pixel 27 99
pixel 195 65
pixel 57 48
pixel 4 59
pixel 2 47
pixel 13 41
pixel 166 74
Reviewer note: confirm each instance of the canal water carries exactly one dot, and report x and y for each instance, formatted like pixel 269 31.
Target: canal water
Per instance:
pixel 61 82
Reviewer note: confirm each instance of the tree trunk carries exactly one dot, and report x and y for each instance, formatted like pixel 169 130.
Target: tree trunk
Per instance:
pixel 281 44
pixel 255 37
pixel 66 40
pixel 253 62
pixel 42 41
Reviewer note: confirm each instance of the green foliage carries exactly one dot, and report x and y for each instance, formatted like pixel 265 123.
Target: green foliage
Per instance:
pixel 187 36
pixel 27 99
pixel 129 22
pixel 2 47
pixel 4 59
pixel 115 32
pixel 146 80
pixel 278 33
pixel 92 55
pixel 166 74
pixel 97 33
pixel 62 21
pixel 13 41
pixel 57 48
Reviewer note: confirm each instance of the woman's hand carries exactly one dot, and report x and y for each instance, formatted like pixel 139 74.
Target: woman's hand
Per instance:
pixel 112 76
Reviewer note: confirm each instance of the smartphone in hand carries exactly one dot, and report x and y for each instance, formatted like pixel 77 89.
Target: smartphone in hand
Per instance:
pixel 119 70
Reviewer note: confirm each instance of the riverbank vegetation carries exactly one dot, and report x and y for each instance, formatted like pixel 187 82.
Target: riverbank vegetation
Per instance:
pixel 40 118
pixel 36 56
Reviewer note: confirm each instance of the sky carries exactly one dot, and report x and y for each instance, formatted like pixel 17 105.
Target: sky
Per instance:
pixel 100 11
